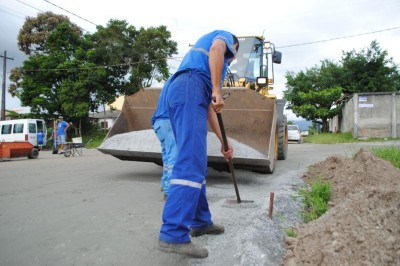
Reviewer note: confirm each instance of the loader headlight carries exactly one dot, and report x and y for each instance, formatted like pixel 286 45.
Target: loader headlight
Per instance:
pixel 262 81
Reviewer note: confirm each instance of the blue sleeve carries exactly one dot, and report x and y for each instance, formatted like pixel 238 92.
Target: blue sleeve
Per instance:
pixel 228 39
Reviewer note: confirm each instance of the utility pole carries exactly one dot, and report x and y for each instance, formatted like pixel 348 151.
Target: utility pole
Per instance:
pixel 3 91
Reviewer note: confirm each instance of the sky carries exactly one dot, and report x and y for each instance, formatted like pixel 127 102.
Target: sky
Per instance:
pixel 306 32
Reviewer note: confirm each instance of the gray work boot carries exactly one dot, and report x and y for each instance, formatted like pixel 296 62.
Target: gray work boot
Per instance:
pixel 213 229
pixel 188 249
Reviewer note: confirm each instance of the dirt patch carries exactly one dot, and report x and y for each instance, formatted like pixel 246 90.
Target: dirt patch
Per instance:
pixel 362 225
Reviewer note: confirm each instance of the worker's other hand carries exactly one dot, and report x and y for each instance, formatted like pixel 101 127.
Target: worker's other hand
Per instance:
pixel 217 102
pixel 227 154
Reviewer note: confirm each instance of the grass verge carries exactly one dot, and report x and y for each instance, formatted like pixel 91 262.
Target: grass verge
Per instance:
pixel 315 199
pixel 330 138
pixel 391 154
pixel 334 138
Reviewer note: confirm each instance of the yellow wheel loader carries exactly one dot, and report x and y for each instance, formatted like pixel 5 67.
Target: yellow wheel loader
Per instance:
pixel 253 118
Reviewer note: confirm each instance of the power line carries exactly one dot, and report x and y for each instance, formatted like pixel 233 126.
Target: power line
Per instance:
pixel 29 5
pixel 14 15
pixel 338 38
pixel 177 58
pixel 59 8
pixel 96 67
pixel 70 12
pixel 285 46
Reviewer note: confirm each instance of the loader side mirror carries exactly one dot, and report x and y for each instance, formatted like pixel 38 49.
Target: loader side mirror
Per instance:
pixel 277 57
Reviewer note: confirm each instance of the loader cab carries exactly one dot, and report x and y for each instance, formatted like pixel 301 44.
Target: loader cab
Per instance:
pixel 248 59
pixel 254 64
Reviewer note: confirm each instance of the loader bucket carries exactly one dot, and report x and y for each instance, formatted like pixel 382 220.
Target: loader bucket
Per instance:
pixel 250 121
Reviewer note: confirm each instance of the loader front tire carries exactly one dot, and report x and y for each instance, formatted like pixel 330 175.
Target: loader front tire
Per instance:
pixel 283 139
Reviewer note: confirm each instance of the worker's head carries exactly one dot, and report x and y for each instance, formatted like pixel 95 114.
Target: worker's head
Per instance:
pixel 60 118
pixel 235 47
pixel 235 43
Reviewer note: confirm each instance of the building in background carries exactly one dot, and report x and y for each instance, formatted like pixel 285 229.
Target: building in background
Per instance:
pixel 370 115
pixel 105 119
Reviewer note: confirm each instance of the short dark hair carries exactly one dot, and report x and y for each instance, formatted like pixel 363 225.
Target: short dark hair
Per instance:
pixel 235 41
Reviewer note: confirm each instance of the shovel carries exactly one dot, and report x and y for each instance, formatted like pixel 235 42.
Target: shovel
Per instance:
pixel 232 170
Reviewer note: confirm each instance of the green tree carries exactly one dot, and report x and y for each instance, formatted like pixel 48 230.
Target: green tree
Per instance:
pixel 71 74
pixel 313 94
pixel 369 70
pixel 111 49
pixel 141 55
pixel 44 77
pixel 154 46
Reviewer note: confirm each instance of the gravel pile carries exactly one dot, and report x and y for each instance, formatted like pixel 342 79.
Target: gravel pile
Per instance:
pixel 146 141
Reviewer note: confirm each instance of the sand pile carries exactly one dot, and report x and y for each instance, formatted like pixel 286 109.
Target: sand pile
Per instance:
pixel 362 226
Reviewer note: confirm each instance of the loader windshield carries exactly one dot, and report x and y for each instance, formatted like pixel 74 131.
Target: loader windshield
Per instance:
pixel 248 60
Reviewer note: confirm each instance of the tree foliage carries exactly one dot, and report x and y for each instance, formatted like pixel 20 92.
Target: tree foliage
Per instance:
pixel 34 33
pixel 42 80
pixel 312 94
pixel 369 70
pixel 139 54
pixel 71 74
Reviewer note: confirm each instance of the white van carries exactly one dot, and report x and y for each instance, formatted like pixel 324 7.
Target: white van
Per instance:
pixel 23 130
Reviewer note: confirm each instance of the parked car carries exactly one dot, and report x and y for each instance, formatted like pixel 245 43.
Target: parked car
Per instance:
pixel 304 133
pixel 23 130
pixel 294 133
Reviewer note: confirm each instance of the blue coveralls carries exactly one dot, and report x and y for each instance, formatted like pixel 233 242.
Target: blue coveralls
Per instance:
pixel 163 129
pixel 188 98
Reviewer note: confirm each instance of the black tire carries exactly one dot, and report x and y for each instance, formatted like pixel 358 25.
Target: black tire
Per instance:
pixel 34 154
pixel 283 139
pixel 67 153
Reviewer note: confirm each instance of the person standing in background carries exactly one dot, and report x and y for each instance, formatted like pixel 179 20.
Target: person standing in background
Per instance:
pixel 54 137
pixel 62 127
pixel 40 139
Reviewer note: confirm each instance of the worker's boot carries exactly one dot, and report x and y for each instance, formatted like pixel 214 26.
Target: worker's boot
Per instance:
pixel 213 229
pixel 188 249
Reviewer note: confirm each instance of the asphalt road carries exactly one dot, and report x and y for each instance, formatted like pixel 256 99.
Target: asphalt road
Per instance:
pixel 97 210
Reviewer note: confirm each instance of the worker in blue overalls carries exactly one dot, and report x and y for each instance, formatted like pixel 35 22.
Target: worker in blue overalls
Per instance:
pixel 162 127
pixel 193 97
